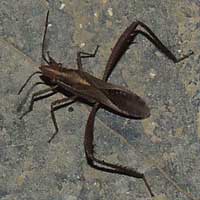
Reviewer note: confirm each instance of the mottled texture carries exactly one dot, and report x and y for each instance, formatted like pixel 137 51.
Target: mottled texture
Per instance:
pixel 32 169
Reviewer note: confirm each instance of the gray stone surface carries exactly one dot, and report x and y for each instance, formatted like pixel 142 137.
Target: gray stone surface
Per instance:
pixel 32 169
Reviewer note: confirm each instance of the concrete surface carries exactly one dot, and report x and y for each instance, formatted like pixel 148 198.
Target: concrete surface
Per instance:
pixel 168 141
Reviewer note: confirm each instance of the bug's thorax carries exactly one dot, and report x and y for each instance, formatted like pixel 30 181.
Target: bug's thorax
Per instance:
pixel 57 73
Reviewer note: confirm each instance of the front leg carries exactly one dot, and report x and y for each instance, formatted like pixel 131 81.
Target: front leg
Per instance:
pixel 19 107
pixel 37 96
pixel 101 164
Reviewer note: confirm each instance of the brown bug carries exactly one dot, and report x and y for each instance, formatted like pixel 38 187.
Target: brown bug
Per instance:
pixel 98 92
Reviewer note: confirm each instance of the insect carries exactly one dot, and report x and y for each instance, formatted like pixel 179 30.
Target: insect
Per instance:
pixel 98 92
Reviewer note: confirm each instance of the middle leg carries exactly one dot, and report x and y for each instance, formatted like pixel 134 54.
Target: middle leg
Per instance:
pixel 81 55
pixel 55 106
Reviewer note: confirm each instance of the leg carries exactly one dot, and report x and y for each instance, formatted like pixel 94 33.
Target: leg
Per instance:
pixel 55 106
pixel 162 47
pixel 37 96
pixel 81 55
pixel 105 166
pixel 127 38
pixel 28 79
pixel 29 91
pixel 154 39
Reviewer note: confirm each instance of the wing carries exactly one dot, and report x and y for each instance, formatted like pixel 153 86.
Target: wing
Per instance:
pixel 120 99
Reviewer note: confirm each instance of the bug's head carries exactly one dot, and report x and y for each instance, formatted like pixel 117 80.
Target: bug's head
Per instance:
pixel 51 71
